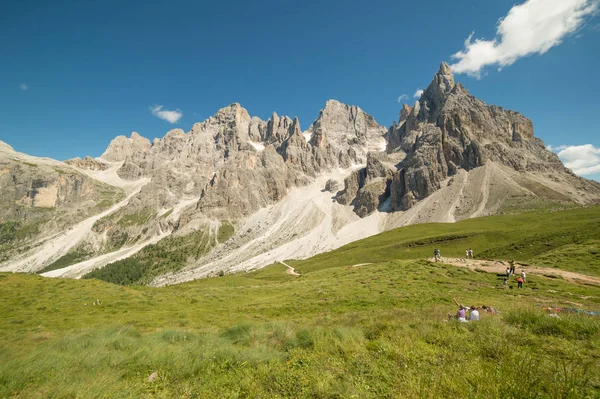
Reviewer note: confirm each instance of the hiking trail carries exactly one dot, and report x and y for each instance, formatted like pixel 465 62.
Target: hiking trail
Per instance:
pixel 499 267
pixel 290 270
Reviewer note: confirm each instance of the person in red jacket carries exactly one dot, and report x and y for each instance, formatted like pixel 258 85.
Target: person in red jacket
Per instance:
pixel 520 282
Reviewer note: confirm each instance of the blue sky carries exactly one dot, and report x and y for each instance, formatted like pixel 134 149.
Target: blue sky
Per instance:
pixel 76 74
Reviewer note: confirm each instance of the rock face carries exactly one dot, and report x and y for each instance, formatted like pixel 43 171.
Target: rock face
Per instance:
pixel 122 147
pixel 87 163
pixel 41 197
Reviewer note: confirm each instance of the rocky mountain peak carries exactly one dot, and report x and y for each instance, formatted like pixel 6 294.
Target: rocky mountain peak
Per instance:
pixel 5 147
pixel 446 71
pixel 404 113
pixel 436 93
pixel 122 147
pixel 232 113
pixel 343 126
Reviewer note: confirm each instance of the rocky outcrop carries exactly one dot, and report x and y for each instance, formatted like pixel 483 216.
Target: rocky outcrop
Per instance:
pixel 368 188
pixel 121 147
pixel 447 130
pixel 246 183
pixel 348 132
pixel 88 163
pixel 332 186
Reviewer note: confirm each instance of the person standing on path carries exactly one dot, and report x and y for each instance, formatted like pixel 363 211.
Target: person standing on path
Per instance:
pixel 437 255
pixel 507 273
pixel 470 253
pixel 524 276
pixel 512 267
pixel 467 253
pixel 520 282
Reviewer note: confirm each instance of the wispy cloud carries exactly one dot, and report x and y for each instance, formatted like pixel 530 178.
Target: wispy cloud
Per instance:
pixel 24 86
pixel 534 26
pixel 418 93
pixel 581 159
pixel 403 97
pixel 167 115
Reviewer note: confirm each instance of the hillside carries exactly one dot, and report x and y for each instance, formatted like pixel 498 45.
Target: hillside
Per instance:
pixel 337 330
pixel 566 239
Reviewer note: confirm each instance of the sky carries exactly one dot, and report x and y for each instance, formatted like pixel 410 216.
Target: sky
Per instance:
pixel 75 74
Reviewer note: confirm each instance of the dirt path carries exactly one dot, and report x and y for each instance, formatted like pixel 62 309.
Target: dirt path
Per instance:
pixel 359 264
pixel 499 267
pixel 290 270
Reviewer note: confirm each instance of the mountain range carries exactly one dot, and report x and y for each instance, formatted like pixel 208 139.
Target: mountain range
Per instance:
pixel 237 193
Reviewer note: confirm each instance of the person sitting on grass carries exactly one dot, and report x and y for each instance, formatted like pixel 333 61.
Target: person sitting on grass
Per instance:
pixel 473 313
pixel 461 315
pixel 489 309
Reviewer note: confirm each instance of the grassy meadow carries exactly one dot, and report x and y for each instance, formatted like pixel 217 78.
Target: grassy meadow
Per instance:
pixel 336 331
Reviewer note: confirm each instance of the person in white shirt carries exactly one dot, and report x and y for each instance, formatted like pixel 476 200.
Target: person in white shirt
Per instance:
pixel 473 314
pixel 524 276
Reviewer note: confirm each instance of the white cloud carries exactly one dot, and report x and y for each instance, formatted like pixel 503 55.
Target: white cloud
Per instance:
pixel 581 159
pixel 556 149
pixel 403 97
pixel 418 93
pixel 24 87
pixel 529 28
pixel 169 116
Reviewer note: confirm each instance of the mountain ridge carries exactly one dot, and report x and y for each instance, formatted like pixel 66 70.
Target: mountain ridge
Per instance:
pixel 449 157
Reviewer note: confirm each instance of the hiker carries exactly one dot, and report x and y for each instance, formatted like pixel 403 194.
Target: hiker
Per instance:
pixel 524 276
pixel 473 313
pixel 470 253
pixel 467 253
pixel 507 273
pixel 512 267
pixel 505 283
pixel 520 282
pixel 437 255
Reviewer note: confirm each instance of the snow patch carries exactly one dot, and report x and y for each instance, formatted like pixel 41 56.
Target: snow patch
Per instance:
pixel 257 146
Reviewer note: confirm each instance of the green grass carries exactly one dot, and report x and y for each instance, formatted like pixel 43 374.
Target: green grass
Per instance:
pixel 226 230
pixel 582 257
pixel 104 204
pixel 374 331
pixel 16 231
pixel 137 218
pixel 524 237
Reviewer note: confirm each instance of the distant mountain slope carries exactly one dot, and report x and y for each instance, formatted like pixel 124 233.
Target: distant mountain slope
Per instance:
pixel 277 192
